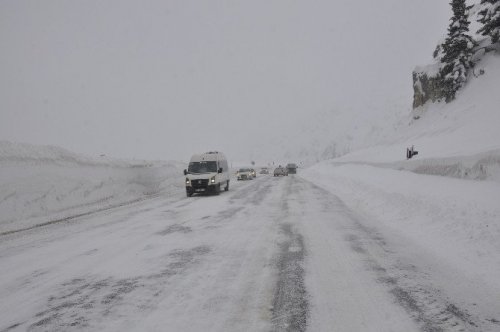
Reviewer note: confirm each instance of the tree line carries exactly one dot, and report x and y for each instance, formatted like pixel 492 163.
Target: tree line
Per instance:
pixel 456 53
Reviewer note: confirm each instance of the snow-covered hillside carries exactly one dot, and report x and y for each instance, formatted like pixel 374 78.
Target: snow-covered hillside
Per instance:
pixel 463 131
pixel 40 184
pixel 446 197
pixel 379 129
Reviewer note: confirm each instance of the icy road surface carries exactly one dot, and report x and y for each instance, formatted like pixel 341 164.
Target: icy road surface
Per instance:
pixel 272 254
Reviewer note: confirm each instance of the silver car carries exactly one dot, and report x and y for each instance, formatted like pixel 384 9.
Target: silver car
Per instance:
pixel 244 174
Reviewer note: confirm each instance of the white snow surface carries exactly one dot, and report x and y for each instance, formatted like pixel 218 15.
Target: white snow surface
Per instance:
pixel 465 127
pixel 41 184
pixel 456 220
pixel 464 131
pixel 446 199
pixel 429 226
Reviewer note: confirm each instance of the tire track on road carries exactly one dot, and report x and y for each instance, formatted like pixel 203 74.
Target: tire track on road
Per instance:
pixel 290 307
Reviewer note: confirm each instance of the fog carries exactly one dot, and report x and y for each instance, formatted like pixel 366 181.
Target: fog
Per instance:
pixel 165 79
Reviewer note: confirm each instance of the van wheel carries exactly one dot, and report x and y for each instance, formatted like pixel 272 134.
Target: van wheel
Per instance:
pixel 227 186
pixel 217 189
pixel 189 194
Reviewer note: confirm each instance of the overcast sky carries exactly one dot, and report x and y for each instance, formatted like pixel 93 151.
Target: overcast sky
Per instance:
pixel 165 79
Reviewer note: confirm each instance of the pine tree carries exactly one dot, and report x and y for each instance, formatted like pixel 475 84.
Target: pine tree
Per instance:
pixel 489 16
pixel 457 51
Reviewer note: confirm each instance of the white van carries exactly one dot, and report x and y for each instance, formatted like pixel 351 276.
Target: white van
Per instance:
pixel 207 172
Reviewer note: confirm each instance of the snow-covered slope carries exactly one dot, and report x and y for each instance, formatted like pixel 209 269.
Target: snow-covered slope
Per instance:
pixel 461 138
pixel 40 184
pixel 463 133
pixel 446 198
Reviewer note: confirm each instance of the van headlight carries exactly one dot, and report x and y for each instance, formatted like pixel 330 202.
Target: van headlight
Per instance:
pixel 188 182
pixel 212 179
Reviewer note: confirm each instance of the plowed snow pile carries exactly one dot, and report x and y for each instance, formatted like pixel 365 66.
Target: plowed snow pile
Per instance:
pixel 40 184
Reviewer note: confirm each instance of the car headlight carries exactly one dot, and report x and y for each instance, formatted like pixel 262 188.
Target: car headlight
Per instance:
pixel 188 182
pixel 212 179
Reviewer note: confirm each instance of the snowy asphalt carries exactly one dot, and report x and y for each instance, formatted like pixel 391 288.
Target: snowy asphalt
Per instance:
pixel 272 254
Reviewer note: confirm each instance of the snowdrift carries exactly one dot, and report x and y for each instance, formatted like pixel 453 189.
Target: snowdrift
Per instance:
pixel 40 184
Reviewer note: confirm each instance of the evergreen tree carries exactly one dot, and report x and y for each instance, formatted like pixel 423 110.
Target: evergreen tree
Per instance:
pixel 457 51
pixel 489 16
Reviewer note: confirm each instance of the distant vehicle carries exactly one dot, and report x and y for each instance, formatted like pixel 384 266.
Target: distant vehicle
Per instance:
pixel 253 173
pixel 291 168
pixel 207 172
pixel 244 174
pixel 264 170
pixel 280 171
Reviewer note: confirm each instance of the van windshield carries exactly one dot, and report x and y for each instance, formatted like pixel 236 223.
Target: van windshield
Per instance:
pixel 202 167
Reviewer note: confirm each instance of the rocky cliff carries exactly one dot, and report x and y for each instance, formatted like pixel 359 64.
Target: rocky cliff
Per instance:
pixel 426 86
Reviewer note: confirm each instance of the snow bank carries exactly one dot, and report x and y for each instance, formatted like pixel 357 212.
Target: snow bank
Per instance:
pixel 481 166
pixel 445 199
pixel 456 220
pixel 39 184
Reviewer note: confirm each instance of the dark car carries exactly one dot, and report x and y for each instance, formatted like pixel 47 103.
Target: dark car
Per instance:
pixel 280 171
pixel 291 168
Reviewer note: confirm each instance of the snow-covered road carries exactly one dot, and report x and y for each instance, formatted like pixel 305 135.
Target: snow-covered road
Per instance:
pixel 279 254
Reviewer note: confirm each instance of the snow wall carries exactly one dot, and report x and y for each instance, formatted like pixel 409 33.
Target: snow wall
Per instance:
pixel 40 184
